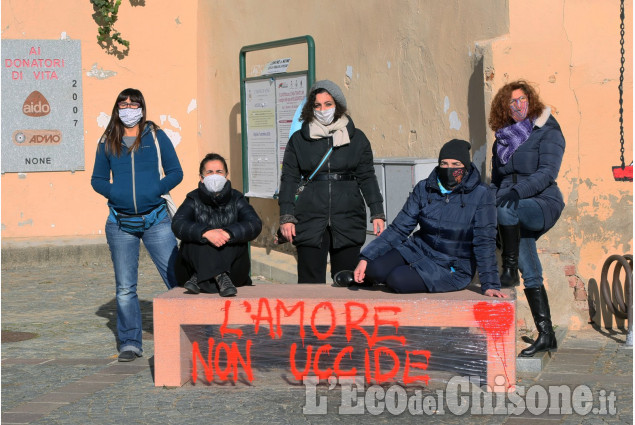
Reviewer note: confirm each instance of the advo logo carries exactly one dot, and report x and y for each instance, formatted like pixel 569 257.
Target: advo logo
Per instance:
pixel 37 137
pixel 36 105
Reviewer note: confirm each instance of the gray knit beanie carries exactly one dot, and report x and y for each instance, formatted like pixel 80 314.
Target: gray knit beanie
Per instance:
pixel 333 89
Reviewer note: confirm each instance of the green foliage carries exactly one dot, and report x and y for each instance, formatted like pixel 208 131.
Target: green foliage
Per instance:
pixel 105 16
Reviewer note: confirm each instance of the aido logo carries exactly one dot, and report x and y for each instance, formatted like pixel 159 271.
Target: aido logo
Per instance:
pixel 36 105
pixel 37 137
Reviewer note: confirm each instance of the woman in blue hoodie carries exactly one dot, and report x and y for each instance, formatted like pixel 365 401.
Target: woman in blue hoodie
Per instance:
pixel 128 152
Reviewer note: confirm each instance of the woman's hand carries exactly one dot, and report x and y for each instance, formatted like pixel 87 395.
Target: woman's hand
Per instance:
pixel 360 271
pixel 378 226
pixel 288 231
pixel 217 237
pixel 509 200
pixel 495 293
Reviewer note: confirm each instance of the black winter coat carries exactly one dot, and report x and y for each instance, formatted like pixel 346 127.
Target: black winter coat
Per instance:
pixel 202 211
pixel 457 234
pixel 532 170
pixel 338 204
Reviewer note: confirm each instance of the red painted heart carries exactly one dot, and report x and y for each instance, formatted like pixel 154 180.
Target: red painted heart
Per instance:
pixel 495 318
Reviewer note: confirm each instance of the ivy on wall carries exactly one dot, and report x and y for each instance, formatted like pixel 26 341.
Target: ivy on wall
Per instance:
pixel 108 37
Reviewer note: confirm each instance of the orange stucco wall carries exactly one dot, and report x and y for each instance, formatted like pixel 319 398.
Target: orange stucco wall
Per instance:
pixel 162 63
pixel 571 54
pixel 415 73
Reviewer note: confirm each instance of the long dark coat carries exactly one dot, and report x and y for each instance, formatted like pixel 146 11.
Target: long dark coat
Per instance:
pixel 338 204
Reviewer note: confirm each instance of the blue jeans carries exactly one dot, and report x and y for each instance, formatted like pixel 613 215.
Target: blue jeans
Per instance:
pixel 531 219
pixel 124 251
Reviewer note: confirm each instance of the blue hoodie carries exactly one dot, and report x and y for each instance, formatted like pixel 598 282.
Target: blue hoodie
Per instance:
pixel 136 187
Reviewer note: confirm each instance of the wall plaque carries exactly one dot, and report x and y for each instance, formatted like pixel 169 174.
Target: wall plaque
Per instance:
pixel 42 113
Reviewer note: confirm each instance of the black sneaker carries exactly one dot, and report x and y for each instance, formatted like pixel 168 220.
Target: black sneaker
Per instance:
pixel 225 286
pixel 127 356
pixel 207 287
pixel 192 285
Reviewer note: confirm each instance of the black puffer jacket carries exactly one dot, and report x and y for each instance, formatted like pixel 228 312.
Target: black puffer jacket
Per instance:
pixel 229 210
pixel 338 204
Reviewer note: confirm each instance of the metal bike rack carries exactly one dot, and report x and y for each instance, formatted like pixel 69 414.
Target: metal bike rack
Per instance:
pixel 623 306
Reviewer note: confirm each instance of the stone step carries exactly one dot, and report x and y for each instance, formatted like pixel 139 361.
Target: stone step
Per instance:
pixel 40 252
pixel 530 366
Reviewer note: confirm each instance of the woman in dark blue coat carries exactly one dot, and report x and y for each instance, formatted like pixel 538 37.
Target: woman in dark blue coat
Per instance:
pixel 457 234
pixel 526 160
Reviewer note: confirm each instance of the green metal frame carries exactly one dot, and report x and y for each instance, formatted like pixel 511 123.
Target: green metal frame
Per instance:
pixel 243 78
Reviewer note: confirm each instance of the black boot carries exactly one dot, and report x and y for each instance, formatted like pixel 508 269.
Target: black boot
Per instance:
pixel 539 305
pixel 344 278
pixel 510 238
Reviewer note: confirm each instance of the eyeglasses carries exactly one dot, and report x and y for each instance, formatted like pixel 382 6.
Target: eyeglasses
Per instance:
pixel 521 99
pixel 131 105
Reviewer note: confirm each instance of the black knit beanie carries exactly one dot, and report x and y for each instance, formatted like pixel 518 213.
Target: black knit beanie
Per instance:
pixel 457 149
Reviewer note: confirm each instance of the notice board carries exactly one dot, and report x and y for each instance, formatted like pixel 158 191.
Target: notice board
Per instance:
pixel 269 108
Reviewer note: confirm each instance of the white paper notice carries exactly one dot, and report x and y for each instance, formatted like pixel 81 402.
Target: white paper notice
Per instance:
pixel 290 91
pixel 277 66
pixel 261 138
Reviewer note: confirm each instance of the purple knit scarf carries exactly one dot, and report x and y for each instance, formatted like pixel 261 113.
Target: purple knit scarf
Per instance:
pixel 511 137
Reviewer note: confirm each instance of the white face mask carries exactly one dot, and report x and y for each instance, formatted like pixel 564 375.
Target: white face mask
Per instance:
pixel 130 117
pixel 324 117
pixel 214 182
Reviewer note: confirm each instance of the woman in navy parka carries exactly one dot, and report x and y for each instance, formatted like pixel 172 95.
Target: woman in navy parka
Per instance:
pixel 457 234
pixel 525 163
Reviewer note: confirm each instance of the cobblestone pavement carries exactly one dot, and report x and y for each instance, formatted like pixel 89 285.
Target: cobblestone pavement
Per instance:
pixel 68 373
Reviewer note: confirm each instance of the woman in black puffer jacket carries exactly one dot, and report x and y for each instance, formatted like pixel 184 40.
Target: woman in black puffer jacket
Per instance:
pixel 329 215
pixel 214 223
pixel 525 163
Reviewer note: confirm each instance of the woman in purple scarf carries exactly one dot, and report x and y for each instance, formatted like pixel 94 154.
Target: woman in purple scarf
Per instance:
pixel 526 160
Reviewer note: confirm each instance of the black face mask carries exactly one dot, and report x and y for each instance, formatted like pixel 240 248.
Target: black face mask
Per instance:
pixel 451 177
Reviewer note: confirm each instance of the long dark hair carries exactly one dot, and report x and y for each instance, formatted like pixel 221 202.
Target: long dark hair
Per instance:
pixel 307 110
pixel 500 114
pixel 115 130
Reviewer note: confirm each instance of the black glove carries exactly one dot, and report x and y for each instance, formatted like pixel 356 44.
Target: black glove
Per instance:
pixel 510 199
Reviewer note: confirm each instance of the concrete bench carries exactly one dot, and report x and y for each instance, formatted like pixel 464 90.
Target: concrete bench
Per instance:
pixel 326 331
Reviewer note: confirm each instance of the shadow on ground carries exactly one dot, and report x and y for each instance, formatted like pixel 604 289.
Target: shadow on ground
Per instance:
pixel 109 311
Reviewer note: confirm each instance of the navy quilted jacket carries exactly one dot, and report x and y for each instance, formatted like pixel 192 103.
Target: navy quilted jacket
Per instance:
pixel 532 170
pixel 457 234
